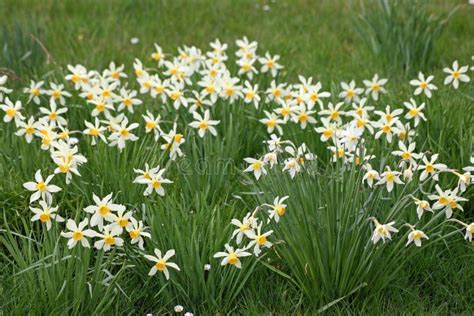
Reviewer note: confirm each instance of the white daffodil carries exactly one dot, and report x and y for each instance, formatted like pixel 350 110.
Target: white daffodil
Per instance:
pixel 423 85
pixel 446 201
pixel 34 91
pixel 406 153
pixel 422 206
pixel 57 93
pixel 382 231
pixel 95 131
pixel 456 74
pixel 232 256
pixel 77 233
pixel 278 208
pixel 469 229
pixel 114 73
pixel 350 92
pixel 370 175
pixel 102 210
pixel 272 121
pixel 270 64
pixel 154 182
pixel 161 262
pixel 431 168
pixel 4 90
pixel 173 141
pixel 136 231
pixel 375 87
pixel 122 134
pixel 257 166
pixel 46 214
pixel 244 227
pixel 158 55
pixel 303 116
pixel 204 124
pixel 108 238
pixel 41 188
pixel 414 111
pixel 152 123
pixel 327 131
pixel 390 177
pixel 122 220
pixel 259 240
pixel 27 129
pixel 53 114
pixel 127 100
pixel 333 112
pixel 12 111
pixel 415 236
pixel 251 94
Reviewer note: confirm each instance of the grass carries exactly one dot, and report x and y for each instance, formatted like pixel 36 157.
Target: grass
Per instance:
pixel 39 275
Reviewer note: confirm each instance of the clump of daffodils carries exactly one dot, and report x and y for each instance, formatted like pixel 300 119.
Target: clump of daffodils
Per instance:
pixel 177 98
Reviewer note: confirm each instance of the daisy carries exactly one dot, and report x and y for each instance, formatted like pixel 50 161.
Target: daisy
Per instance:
pixel 41 188
pixel 136 231
pixel 390 177
pixel 45 214
pixel 375 87
pixel 204 124
pixel 102 209
pixel 161 263
pixel 232 256
pixel 77 233
pixel 257 166
pixel 108 238
pixel 456 74
pixel 423 85
pixel 122 134
pixel 259 240
pixel 414 111
pixel 382 231
pixel 12 111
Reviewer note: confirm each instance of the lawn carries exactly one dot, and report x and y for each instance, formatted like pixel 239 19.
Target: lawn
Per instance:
pixel 328 247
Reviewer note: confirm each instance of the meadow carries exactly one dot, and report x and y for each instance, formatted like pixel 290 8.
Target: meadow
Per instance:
pixel 236 157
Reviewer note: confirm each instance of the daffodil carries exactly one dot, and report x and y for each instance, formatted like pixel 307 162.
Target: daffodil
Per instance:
pixel 95 131
pixel 278 208
pixel 114 73
pixel 422 206
pixel 303 116
pixel 127 100
pixel 232 256
pixel 370 175
pixel 109 238
pixel 456 74
pixel 152 124
pixel 53 114
pixel 251 94
pixel 122 134
pixel 41 188
pixel 173 141
pixel 12 111
pixel 102 210
pixel 382 231
pixel 272 122
pixel 431 168
pixel 27 129
pixel 406 153
pixel 350 92
pixel 176 93
pixel 46 214
pixel 155 182
pixel 161 262
pixel 4 90
pixel 244 227
pixel 204 124
pixel 469 229
pixel 34 91
pixel 375 87
pixel 259 240
pixel 415 236
pixel 389 178
pixel 414 111
pixel 158 55
pixel 57 93
pixel 270 64
pixel 446 201
pixel 257 166
pixel 77 233
pixel 137 231
pixel 122 220
pixel 423 85
pixel 333 112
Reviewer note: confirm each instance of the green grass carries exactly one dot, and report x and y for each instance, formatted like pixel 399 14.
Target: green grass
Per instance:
pixel 38 275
